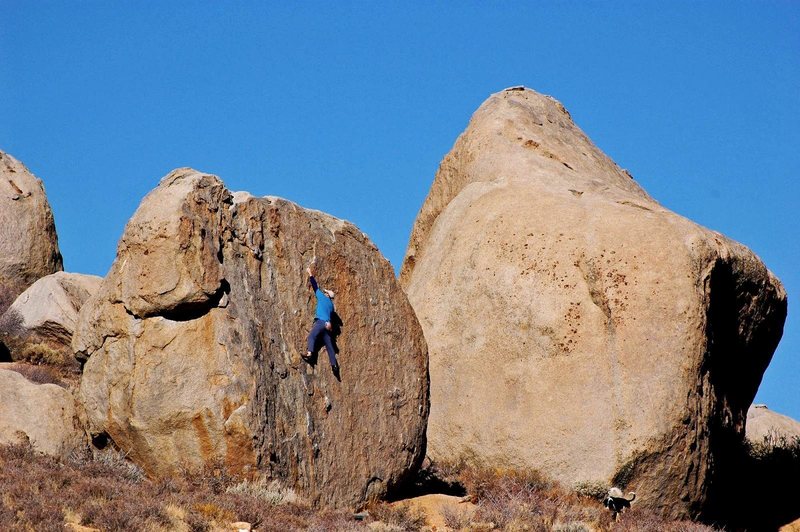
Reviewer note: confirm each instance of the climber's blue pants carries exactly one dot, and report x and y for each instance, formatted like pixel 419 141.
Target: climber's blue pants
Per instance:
pixel 319 332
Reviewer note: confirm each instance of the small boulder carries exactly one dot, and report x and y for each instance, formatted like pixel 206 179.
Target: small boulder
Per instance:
pixel 45 315
pixel 43 414
pixel 764 424
pixel 437 507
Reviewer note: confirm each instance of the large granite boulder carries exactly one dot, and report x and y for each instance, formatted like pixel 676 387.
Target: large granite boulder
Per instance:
pixel 28 241
pixel 44 415
pixel 44 316
pixel 192 346
pixel 575 325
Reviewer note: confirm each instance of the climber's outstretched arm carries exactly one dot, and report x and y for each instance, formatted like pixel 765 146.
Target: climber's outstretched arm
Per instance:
pixel 311 279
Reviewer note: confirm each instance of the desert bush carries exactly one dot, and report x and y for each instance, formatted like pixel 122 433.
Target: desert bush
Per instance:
pixel 775 446
pixel 10 328
pixel 592 489
pixel 213 476
pixel 482 482
pixel 328 520
pixel 456 518
pixel 575 526
pixel 7 297
pixel 102 491
pixel 638 520
pixel 214 512
pixel 527 500
pixel 117 463
pixel 269 491
pixel 41 353
pixel 11 323
pixel 398 515
pixel 38 374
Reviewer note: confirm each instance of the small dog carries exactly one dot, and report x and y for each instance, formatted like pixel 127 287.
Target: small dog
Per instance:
pixel 617 502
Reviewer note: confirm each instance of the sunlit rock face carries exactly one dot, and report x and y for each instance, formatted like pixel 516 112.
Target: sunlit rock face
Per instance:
pixel 192 345
pixel 28 241
pixel 576 326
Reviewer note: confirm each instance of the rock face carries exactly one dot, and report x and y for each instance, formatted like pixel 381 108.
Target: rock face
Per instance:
pixel 192 346
pixel 47 312
pixel 764 423
pixel 28 242
pixel 576 326
pixel 44 414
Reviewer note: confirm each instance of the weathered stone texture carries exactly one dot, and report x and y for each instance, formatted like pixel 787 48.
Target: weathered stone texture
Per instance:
pixel 43 414
pixel 28 241
pixel 47 312
pixel 575 325
pixel 192 346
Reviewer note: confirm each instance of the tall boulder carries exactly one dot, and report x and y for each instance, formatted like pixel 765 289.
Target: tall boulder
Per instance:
pixel 192 346
pixel 28 241
pixel 45 415
pixel 576 326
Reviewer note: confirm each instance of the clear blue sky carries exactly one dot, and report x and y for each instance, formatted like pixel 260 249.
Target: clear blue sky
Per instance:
pixel 348 107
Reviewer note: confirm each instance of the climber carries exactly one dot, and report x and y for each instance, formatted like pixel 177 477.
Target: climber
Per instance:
pixel 322 326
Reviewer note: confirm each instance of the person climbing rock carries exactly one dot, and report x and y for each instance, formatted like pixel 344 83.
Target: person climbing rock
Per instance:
pixel 322 326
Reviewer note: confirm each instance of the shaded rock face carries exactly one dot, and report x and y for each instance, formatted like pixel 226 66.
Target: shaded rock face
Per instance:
pixel 574 325
pixel 192 346
pixel 42 414
pixel 47 312
pixel 28 241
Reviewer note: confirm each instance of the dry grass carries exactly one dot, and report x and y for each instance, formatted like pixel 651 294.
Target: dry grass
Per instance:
pixel 107 492
pixel 23 347
pixel 526 500
pixel 269 491
pixel 40 370
pixel 38 374
pixel 7 297
pixel 398 517
pixel 41 353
